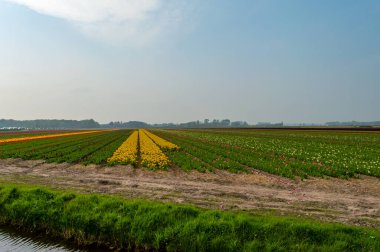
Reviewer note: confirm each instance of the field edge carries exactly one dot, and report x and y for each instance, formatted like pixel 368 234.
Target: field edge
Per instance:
pixel 123 223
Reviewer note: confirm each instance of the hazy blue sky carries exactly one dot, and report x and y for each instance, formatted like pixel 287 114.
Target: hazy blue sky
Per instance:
pixel 178 60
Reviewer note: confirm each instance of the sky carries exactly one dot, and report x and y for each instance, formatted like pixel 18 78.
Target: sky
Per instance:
pixel 178 61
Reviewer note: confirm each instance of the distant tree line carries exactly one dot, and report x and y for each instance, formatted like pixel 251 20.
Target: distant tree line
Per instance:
pixel 49 124
pixel 354 123
pixel 127 125
pixel 206 123
pixel 92 124
pixel 193 124
pixel 269 124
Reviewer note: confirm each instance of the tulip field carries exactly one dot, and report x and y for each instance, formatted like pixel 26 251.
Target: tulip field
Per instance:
pixel 85 146
pixel 288 153
pixel 127 153
pixel 145 145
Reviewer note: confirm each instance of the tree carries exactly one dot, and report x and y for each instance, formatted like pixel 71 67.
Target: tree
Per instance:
pixel 225 122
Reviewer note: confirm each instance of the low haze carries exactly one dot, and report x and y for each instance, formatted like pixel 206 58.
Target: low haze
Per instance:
pixel 177 61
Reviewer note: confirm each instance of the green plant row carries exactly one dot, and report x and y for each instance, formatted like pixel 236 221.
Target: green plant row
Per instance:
pixel 43 144
pixel 144 225
pixel 285 153
pixel 225 157
pixel 187 162
pixel 90 148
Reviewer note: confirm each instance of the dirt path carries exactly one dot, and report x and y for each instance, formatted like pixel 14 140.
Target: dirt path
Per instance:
pixel 354 201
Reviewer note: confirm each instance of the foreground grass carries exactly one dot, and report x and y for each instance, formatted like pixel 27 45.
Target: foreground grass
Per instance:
pixel 144 225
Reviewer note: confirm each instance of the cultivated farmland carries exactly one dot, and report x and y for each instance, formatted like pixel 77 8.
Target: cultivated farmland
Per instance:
pixel 85 147
pixel 280 152
pixel 285 153
pixel 269 174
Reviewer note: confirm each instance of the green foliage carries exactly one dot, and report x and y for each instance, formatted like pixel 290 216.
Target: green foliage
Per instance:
pixel 144 225
pixel 286 153
pixel 88 148
pixel 28 134
pixel 187 162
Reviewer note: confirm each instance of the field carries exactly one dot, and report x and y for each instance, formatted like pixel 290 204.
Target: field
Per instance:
pixel 87 148
pixel 18 134
pixel 201 190
pixel 280 152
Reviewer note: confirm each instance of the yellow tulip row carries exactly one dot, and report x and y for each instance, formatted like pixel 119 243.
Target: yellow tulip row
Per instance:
pixel 161 142
pixel 127 152
pixel 151 155
pixel 20 139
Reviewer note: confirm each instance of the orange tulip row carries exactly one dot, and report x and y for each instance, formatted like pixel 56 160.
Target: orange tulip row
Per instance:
pixel 20 139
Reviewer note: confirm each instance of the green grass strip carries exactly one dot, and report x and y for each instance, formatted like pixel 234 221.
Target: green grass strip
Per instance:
pixel 144 225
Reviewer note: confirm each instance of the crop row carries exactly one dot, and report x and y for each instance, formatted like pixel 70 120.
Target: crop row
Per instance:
pixel 112 147
pixel 162 143
pixel 283 153
pixel 35 137
pixel 88 148
pixel 127 153
pixel 151 155
pixel 143 148
pixel 18 134
pixel 199 156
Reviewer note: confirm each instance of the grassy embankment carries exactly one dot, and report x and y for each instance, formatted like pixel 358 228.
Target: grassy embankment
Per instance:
pixel 145 225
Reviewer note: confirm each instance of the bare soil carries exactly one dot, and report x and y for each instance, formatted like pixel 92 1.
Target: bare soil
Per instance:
pixel 354 201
